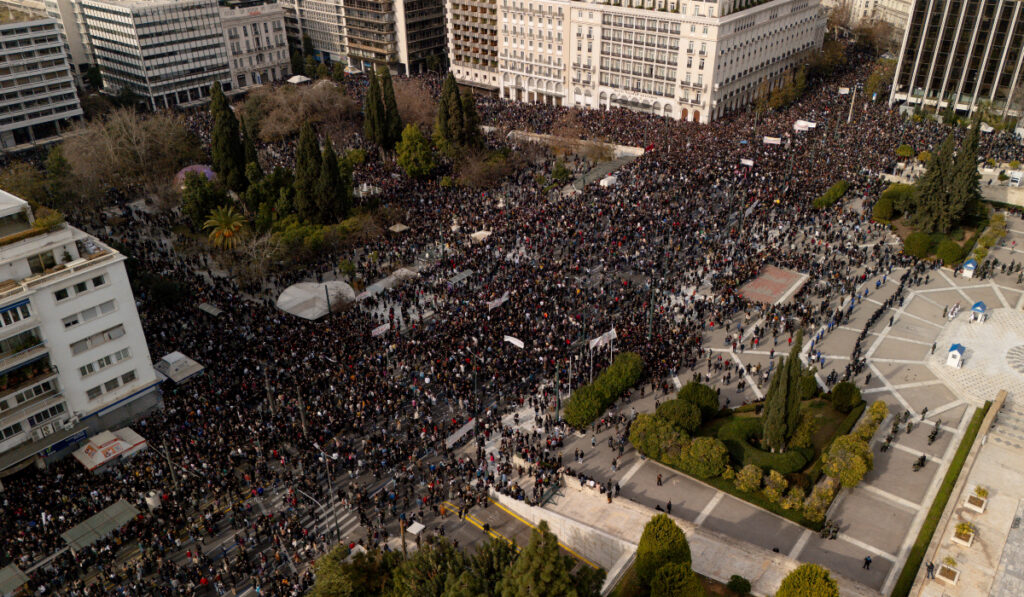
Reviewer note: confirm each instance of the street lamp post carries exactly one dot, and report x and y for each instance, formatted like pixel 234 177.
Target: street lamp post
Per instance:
pixel 330 487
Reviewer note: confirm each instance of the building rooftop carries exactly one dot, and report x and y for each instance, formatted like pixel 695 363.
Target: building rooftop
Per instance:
pixel 9 15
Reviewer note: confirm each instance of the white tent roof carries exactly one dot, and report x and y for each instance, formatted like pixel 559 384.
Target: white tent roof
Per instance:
pixel 398 228
pixel 480 235
pixel 298 79
pixel 177 367
pixel 309 301
pixel 106 446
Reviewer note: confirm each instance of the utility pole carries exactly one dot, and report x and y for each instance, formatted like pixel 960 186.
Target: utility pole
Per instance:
pixel 330 488
pixel 170 465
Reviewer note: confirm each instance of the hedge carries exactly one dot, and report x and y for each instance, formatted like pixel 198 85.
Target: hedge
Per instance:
pixel 833 194
pixel 950 252
pixel 844 428
pixel 918 244
pixel 588 402
pixel 735 435
pixel 931 521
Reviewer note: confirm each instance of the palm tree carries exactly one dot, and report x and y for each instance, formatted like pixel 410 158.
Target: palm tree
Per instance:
pixel 225 225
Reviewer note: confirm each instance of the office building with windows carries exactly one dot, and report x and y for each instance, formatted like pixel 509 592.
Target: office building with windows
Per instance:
pixel 73 358
pixel 473 42
pixel 256 41
pixel 688 60
pixel 404 35
pixel 964 54
pixel 38 100
pixel 169 52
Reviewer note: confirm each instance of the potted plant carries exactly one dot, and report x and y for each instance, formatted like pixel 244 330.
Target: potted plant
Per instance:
pixel 947 571
pixel 978 500
pixel 964 534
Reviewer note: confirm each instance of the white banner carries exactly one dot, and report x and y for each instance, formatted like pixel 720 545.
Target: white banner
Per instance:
pixel 747 162
pixel 380 329
pixel 514 341
pixel 985 128
pixel 803 125
pixel 497 302
pixel 603 339
pixel 844 90
pixel 772 141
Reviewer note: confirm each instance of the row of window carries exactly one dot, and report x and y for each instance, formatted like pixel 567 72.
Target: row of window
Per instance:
pixel 639 85
pixel 97 339
pixel 110 385
pixel 79 288
pixel 638 68
pixel 110 359
pixel 13 316
pixel 89 314
pixel 27 394
pixel 10 431
pixel 43 416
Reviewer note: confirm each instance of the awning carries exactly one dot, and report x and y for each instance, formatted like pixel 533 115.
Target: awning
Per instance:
pixel 50 444
pixel 398 228
pixel 100 525
pixel 11 579
pixel 299 79
pixel 107 446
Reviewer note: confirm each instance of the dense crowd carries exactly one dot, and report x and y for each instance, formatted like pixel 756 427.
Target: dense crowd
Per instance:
pixel 660 257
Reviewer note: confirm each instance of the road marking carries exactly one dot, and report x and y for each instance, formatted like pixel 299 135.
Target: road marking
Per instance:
pixel 871 549
pixel 800 543
pixel 632 471
pixel 892 497
pixel 708 508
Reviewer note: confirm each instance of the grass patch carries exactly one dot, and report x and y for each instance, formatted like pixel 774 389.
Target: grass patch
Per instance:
pixel 924 537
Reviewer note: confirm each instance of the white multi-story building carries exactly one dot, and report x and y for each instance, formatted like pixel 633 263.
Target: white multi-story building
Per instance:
pixel 77 47
pixel 689 60
pixel 169 52
pixel 38 99
pixel 73 358
pixel 473 42
pixel 256 41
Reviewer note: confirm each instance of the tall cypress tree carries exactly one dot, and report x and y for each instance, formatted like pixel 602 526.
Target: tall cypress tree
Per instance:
pixel 965 189
pixel 471 136
pixel 795 373
pixel 249 147
pixel 373 113
pixel 225 142
pixel 931 192
pixel 392 119
pixel 441 123
pixel 307 173
pixel 330 191
pixel 775 403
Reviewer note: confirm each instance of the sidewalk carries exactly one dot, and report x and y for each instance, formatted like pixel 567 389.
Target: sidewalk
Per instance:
pixel 714 555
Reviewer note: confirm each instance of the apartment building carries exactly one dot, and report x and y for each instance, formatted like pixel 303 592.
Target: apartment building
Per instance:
pixel 688 60
pixel 404 35
pixel 38 100
pixel 473 42
pixel 963 54
pixel 256 41
pixel 73 358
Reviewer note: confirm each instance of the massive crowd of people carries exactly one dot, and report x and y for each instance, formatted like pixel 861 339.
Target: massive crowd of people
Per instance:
pixel 660 258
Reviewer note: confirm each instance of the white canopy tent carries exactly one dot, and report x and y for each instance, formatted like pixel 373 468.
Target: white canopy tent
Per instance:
pixel 299 79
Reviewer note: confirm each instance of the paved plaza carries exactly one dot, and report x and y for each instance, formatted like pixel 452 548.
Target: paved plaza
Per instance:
pixel 881 517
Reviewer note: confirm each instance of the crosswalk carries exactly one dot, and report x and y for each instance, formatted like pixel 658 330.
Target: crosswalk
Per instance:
pixel 319 519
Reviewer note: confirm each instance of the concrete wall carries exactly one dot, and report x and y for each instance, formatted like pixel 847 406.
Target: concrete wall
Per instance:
pixel 596 545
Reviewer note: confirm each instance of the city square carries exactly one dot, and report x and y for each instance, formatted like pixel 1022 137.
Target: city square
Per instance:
pixel 687 312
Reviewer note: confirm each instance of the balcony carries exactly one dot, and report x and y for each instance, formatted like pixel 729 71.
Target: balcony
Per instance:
pixel 29 347
pixel 26 377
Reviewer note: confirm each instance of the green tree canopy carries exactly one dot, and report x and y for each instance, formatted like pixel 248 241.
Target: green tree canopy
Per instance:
pixel 426 572
pixel 703 397
pixel 307 172
pixel 662 542
pixel 782 401
pixel 684 415
pixel 808 580
pixel 226 142
pixel 415 156
pixel 931 193
pixel 540 570
pixel 845 396
pixel 392 125
pixel 332 192
pixel 848 459
pixel 676 580
pixel 373 113
pixel 706 458
pixel 199 197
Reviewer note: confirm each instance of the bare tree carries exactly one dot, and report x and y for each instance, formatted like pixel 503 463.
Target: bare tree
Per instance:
pixel 281 111
pixel 415 103
pixel 128 148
